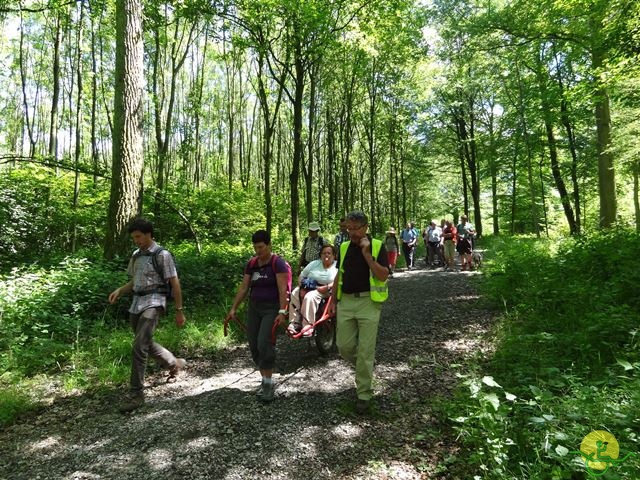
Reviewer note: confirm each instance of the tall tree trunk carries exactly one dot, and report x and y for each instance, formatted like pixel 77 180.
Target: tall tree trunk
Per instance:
pixel 606 172
pixel 294 177
pixel 78 141
pixel 126 179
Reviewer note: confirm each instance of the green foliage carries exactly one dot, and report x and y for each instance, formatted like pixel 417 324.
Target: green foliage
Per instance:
pixel 37 216
pixel 566 352
pixel 46 311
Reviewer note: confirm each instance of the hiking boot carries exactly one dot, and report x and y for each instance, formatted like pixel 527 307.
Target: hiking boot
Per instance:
pixel 132 402
pixel 363 407
pixel 267 392
pixel 177 367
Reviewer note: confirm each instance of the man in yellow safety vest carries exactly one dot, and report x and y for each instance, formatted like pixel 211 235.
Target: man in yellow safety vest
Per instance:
pixel 361 289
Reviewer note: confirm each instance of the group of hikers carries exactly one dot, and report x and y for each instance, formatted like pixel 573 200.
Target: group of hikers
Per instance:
pixel 441 244
pixel 353 272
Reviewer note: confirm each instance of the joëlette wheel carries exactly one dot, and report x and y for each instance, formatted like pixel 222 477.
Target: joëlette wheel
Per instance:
pixel 326 336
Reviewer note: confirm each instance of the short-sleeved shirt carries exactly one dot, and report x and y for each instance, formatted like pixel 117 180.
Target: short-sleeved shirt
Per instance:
pixel 465 230
pixel 433 234
pixel 316 271
pixel 264 284
pixel 146 278
pixel 340 237
pixel 409 235
pixel 311 249
pixel 355 275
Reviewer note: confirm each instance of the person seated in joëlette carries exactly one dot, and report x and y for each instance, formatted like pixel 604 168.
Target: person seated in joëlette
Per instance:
pixel 314 284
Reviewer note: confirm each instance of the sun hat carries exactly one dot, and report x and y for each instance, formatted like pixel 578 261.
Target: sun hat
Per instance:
pixel 392 230
pixel 315 226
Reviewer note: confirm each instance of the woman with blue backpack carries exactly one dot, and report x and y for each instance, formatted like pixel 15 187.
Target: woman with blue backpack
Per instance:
pixel 267 280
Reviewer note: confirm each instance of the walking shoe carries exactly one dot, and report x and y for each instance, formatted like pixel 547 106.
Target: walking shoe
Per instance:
pixel 177 367
pixel 294 328
pixel 363 407
pixel 260 390
pixel 308 332
pixel 267 392
pixel 131 402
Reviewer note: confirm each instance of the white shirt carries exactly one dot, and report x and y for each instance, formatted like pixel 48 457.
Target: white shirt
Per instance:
pixel 316 271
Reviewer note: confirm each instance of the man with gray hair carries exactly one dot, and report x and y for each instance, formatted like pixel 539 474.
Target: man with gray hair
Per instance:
pixel 360 288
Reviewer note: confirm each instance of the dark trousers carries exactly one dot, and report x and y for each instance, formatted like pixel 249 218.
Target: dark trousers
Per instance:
pixel 433 252
pixel 143 325
pixel 408 252
pixel 259 326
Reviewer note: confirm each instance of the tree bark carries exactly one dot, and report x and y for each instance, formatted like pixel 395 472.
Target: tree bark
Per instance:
pixel 606 172
pixel 126 182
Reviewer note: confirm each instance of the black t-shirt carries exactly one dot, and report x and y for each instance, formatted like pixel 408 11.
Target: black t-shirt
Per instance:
pixel 355 277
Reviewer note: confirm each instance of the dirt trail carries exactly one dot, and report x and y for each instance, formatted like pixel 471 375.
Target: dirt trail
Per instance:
pixel 208 425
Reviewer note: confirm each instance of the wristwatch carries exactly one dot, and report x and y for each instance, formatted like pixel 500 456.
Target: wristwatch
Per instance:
pixel 282 312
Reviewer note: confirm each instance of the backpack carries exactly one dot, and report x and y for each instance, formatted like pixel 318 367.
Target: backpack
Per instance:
pixel 274 258
pixel 165 289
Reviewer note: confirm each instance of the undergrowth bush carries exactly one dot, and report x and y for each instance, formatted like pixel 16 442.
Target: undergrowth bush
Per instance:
pixel 566 360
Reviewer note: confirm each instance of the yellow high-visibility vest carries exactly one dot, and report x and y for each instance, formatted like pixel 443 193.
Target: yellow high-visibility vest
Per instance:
pixel 379 291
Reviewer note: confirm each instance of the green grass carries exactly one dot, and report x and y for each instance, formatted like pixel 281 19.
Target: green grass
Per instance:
pixel 566 360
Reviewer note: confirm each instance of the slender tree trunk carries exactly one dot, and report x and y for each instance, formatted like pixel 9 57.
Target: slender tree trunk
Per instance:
pixel 78 141
pixel 636 193
pixel 55 94
pixel 535 217
pixel 553 150
pixel 308 172
pixel 94 103
pixel 294 177
pixel 126 179
pixel 28 122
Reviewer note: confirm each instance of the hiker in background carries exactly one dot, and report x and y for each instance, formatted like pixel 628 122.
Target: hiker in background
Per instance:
pixel 449 238
pixel 361 288
pixel 432 238
pixel 464 247
pixel 409 238
pixel 393 247
pixel 149 303
pixel 443 223
pixel 311 246
pixel 342 235
pixel 315 283
pixel 266 279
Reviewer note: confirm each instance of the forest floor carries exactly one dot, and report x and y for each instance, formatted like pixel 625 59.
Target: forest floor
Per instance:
pixel 209 425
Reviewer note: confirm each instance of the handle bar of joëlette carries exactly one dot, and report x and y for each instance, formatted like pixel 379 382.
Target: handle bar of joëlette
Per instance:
pixel 325 316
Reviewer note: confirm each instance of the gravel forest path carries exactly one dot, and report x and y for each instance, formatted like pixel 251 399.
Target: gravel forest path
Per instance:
pixel 209 425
